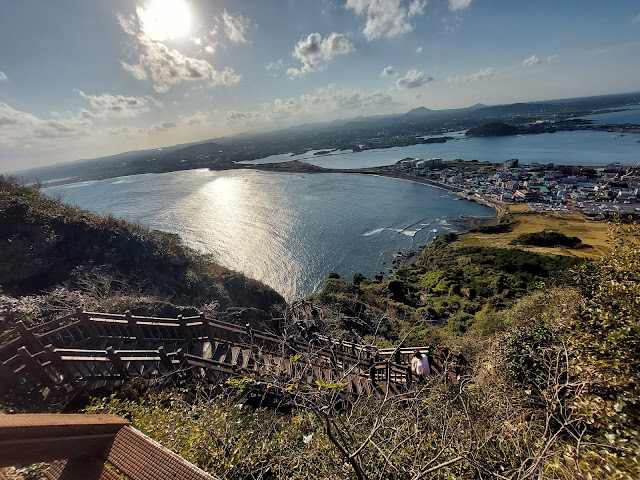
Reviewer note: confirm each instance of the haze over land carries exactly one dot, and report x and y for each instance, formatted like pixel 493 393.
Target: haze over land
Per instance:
pixel 108 77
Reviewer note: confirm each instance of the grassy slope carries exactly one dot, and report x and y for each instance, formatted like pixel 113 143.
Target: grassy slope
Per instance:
pixel 594 235
pixel 449 283
pixel 46 242
pixel 554 394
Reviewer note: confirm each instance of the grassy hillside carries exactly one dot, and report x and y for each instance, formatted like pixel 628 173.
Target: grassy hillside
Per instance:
pixel 48 244
pixel 450 285
pixel 553 394
pixel 594 235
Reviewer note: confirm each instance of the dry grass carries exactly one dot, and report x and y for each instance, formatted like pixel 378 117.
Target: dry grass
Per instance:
pixel 594 235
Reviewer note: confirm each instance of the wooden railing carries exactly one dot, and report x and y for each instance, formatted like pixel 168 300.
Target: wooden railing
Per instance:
pixel 91 349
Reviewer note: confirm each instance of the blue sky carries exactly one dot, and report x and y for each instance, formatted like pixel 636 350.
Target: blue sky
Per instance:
pixel 86 78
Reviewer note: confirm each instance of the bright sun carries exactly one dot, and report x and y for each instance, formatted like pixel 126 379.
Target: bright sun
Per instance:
pixel 165 19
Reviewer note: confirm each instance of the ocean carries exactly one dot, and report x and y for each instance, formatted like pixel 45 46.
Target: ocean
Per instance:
pixel 288 230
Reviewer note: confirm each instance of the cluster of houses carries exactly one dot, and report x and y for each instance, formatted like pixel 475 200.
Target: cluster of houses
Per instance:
pixel 597 191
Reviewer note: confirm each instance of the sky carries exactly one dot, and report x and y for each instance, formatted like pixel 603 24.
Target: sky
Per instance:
pixel 89 78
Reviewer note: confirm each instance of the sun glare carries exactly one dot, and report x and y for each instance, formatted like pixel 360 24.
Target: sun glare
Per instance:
pixel 165 19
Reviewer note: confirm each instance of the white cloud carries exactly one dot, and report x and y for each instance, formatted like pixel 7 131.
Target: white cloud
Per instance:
pixel 116 106
pixel 128 23
pixel 413 79
pixel 225 77
pixel 314 51
pixel 197 41
pixel 274 66
pixel 419 50
pixel 417 7
pixel 315 105
pixel 485 74
pixel 168 67
pixel 455 5
pixel 236 27
pixel 386 18
pixel 160 127
pixel 198 118
pixel 388 72
pixel 3 76
pixel 234 116
pixel 531 61
pixel 23 129
pixel 138 71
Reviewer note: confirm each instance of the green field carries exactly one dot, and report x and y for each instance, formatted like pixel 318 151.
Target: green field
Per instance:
pixel 594 235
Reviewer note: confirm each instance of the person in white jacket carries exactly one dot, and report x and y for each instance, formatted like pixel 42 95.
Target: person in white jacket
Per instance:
pixel 420 364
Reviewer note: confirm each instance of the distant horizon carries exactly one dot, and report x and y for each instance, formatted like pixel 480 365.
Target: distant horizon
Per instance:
pixel 259 132
pixel 86 80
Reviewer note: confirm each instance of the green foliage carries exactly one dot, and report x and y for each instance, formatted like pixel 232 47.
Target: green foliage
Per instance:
pixel 229 439
pixel 554 391
pixel 546 239
pixel 446 284
pixel 493 129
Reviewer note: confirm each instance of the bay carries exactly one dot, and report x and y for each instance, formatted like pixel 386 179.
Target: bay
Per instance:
pixel 288 230
pixel 630 114
pixel 589 148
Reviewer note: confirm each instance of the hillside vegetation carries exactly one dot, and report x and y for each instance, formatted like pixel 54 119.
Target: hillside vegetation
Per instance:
pixel 448 285
pixel 554 391
pixel 49 246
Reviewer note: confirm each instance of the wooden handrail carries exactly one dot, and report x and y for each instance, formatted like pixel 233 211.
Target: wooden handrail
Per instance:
pixel 80 446
pixel 31 438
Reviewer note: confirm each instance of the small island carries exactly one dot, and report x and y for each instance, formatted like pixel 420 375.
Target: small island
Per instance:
pixel 493 129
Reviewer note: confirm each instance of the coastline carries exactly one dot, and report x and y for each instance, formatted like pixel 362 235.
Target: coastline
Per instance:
pixel 297 166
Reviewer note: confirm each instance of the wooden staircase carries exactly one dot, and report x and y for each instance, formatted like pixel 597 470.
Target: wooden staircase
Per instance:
pixel 89 350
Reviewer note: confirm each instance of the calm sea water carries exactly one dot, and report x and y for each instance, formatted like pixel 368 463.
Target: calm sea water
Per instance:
pixel 630 114
pixel 566 148
pixel 287 230
pixel 563 148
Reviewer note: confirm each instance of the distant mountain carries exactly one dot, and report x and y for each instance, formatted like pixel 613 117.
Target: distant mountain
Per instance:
pixel 517 109
pixel 419 111
pixel 199 149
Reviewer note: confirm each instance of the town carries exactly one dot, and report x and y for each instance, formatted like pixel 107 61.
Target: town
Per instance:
pixel 597 192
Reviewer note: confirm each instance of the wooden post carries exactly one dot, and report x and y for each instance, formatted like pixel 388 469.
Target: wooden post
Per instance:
pixel 206 325
pixel 372 374
pixel 409 375
pixel 181 358
pixel 164 358
pixel 117 362
pixel 29 338
pixel 185 330
pixel 64 376
pixel 86 323
pixel 398 355
pixel 34 367
pixel 133 325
